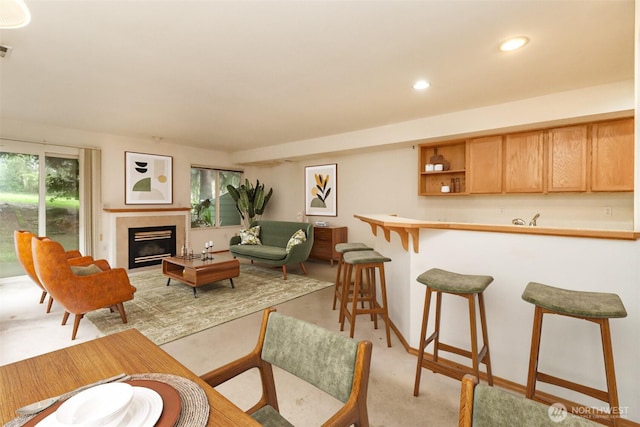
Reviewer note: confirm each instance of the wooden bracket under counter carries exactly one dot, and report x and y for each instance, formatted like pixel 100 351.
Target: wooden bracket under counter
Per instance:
pixel 406 227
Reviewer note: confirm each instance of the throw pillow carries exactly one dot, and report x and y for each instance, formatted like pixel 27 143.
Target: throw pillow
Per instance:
pixel 297 238
pixel 85 271
pixel 250 236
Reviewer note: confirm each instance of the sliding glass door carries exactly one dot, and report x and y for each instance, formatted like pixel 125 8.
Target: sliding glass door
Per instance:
pixel 39 192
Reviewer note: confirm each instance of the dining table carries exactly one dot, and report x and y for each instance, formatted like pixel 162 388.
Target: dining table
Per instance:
pixel 128 352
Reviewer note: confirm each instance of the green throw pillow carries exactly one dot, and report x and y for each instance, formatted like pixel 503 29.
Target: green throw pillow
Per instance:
pixel 85 271
pixel 250 236
pixel 297 238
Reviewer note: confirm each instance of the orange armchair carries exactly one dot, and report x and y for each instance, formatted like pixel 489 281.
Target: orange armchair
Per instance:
pixel 22 240
pixel 79 294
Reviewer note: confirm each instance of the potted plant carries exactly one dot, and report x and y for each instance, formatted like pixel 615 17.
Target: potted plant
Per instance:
pixel 250 200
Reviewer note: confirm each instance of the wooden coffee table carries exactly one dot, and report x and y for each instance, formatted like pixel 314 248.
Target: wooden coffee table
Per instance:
pixel 195 272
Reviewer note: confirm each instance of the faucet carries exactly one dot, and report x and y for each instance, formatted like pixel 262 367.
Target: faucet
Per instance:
pixel 532 223
pixel 520 221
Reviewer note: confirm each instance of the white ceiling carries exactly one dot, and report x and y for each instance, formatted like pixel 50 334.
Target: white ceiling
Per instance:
pixel 237 75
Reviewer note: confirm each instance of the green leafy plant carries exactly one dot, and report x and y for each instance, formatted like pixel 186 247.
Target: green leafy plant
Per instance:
pixel 250 201
pixel 201 214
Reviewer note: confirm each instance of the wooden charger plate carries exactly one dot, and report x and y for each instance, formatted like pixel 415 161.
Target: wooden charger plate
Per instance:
pixel 171 404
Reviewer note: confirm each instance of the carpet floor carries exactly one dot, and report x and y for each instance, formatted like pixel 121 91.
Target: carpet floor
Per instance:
pixel 166 313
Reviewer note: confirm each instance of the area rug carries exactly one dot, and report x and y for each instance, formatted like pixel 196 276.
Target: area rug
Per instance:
pixel 165 313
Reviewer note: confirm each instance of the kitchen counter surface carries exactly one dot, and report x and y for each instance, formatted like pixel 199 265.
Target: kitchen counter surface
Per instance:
pixel 406 227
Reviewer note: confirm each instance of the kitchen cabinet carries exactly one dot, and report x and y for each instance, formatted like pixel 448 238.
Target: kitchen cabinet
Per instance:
pixel 586 157
pixel 524 162
pixel 484 166
pixel 325 240
pixel 452 155
pixel 567 159
pixel 612 151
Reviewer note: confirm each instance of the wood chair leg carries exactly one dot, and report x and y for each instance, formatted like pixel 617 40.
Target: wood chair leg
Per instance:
pixel 354 307
pixel 76 323
pixel 385 313
pixel 304 270
pixel 423 337
pixel 43 296
pixel 474 334
pixel 284 272
pixel 123 315
pixel 535 352
pixel 49 304
pixel 337 286
pixel 485 338
pixel 612 389
pixel 346 286
pixel 65 316
pixel 436 336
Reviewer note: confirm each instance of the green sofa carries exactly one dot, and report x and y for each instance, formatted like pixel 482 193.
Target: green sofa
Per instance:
pixel 274 236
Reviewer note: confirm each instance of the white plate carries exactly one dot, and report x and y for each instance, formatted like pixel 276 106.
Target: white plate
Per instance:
pixel 144 411
pixel 96 406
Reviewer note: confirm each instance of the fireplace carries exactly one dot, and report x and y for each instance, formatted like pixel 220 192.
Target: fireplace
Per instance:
pixel 148 245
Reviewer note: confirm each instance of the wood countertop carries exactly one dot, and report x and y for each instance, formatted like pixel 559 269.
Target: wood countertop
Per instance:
pixel 406 227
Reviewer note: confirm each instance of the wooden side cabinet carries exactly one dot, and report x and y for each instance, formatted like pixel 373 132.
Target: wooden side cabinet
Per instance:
pixel 612 152
pixel 324 242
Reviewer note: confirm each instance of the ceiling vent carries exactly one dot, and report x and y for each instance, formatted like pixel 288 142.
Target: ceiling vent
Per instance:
pixel 5 51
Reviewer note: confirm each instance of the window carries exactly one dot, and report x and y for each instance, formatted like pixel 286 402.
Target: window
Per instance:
pixel 39 192
pixel 211 203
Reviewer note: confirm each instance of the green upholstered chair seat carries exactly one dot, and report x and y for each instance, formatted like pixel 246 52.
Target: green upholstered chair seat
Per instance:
pixel 364 257
pixel 574 303
pixel 494 407
pixel 446 281
pixel 260 252
pixel 349 247
pixel 269 417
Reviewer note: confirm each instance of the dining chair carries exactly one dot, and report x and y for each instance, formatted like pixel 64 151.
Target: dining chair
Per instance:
pixel 79 289
pixel 22 240
pixel 333 363
pixel 482 405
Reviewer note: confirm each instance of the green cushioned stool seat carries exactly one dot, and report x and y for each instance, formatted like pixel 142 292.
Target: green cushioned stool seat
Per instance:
pixel 349 247
pixel 594 307
pixel 470 287
pixel 362 266
pixel 446 281
pixel 364 257
pixel 574 303
pixel 343 248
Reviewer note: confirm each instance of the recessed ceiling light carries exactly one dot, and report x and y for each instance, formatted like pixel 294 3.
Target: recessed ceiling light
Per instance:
pixel 13 14
pixel 513 44
pixel 421 85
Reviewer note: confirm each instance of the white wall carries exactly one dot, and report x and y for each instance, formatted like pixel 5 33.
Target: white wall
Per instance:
pixel 113 148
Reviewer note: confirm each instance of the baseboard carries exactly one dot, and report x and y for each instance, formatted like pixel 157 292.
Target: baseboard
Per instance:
pixel 450 368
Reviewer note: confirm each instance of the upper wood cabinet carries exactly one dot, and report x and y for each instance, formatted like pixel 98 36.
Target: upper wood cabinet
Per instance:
pixel 596 156
pixel 524 162
pixel 452 154
pixel 612 151
pixel 567 159
pixel 484 165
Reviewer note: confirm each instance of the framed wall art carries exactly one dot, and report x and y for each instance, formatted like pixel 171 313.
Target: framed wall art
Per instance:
pixel 148 179
pixel 321 190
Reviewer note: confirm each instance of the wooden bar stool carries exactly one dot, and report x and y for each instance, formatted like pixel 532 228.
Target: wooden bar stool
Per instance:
pixel 596 307
pixel 364 289
pixel 462 285
pixel 343 248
